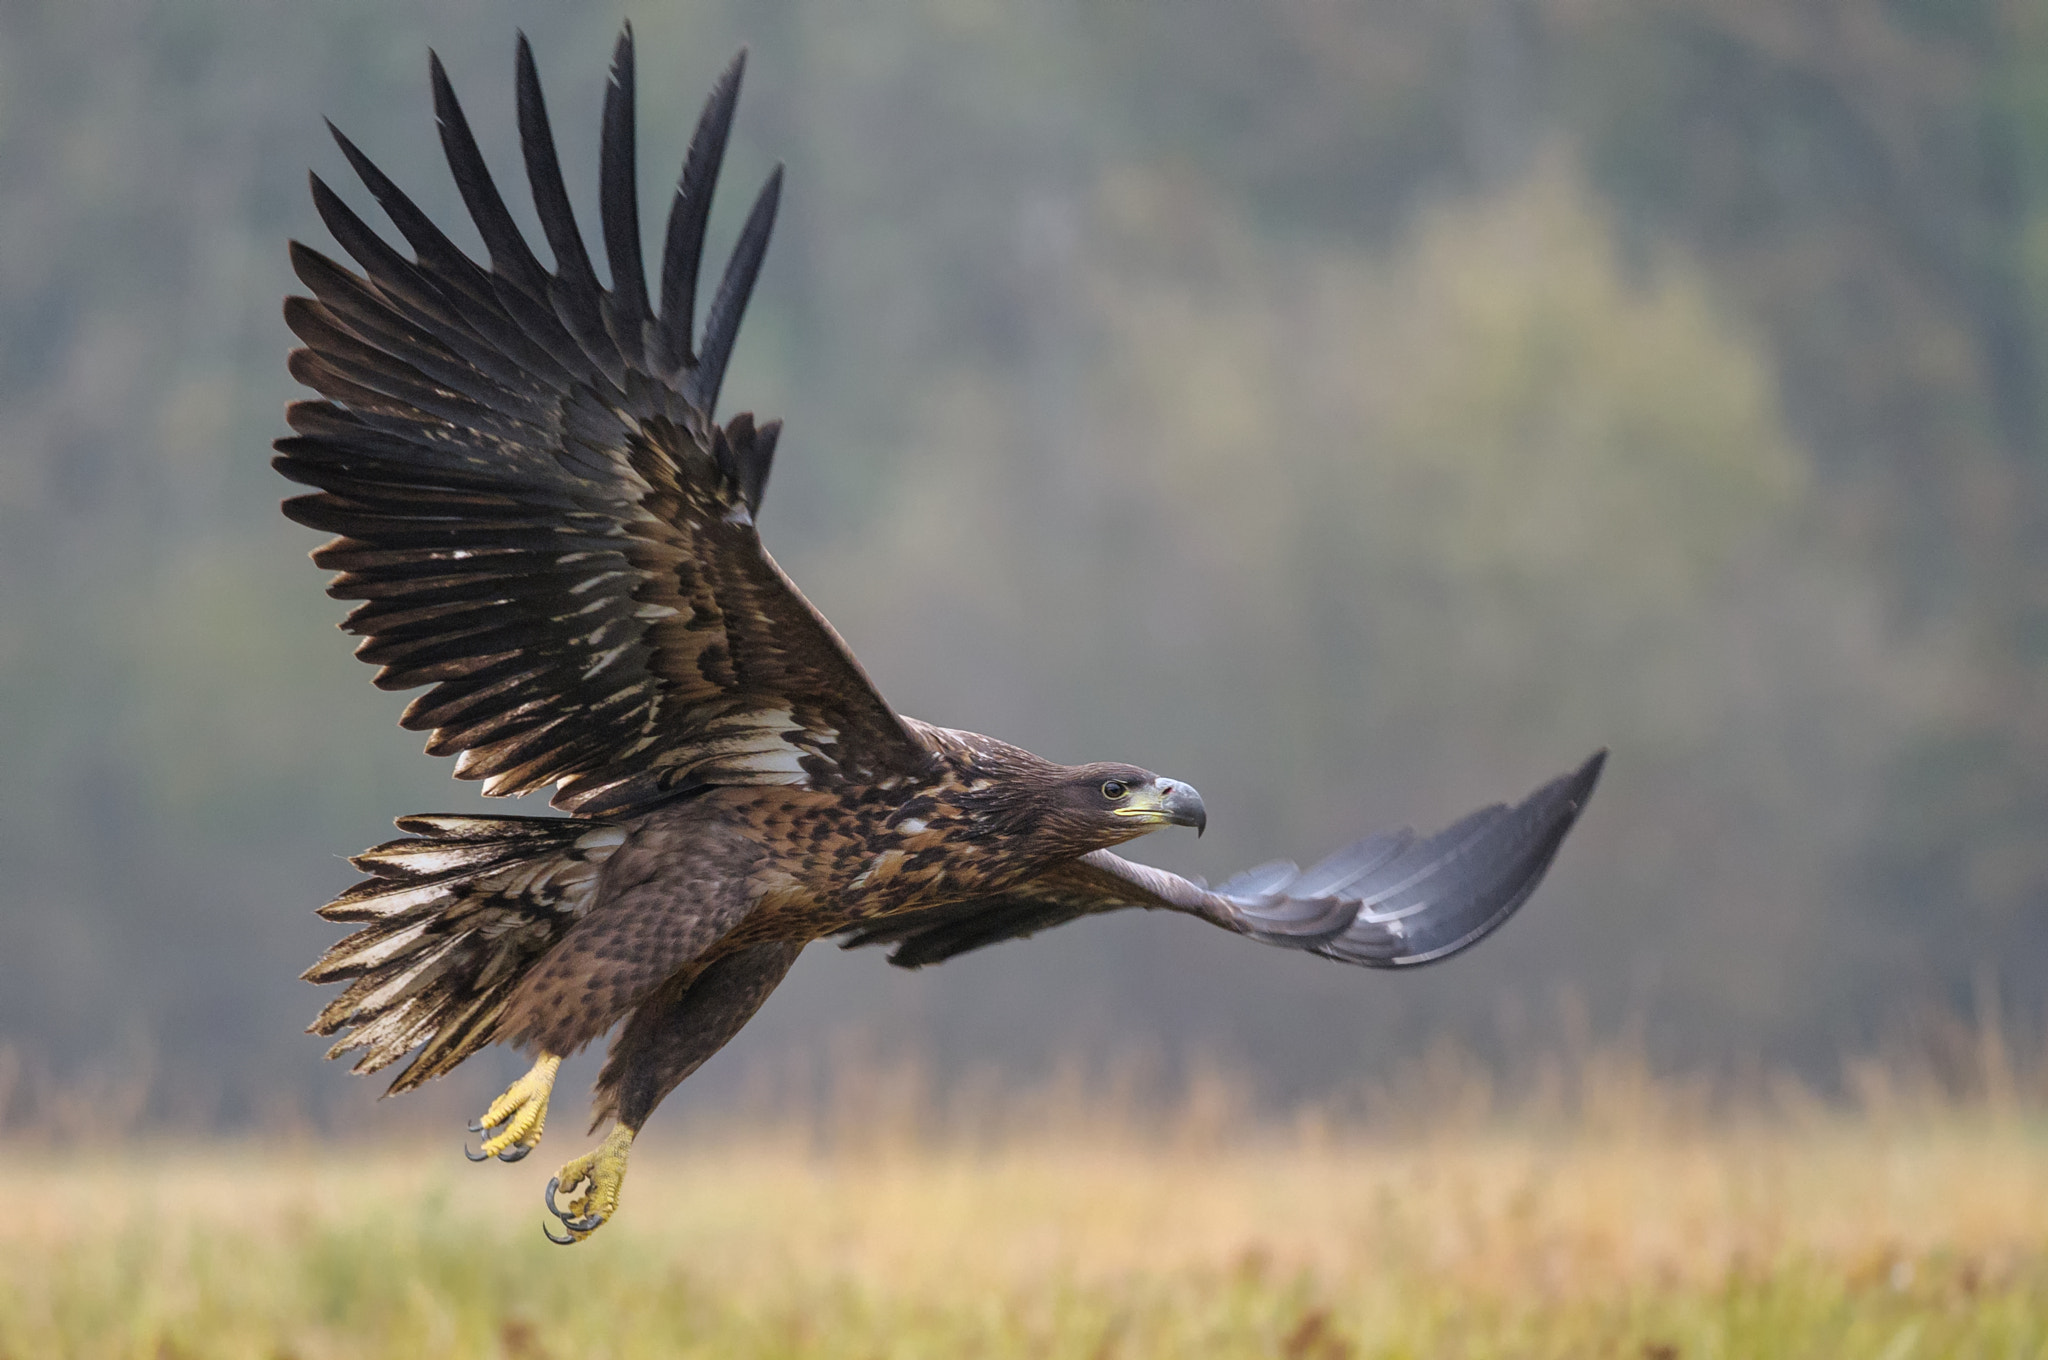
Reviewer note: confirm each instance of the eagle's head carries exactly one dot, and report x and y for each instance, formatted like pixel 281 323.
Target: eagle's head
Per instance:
pixel 1071 809
pixel 1110 804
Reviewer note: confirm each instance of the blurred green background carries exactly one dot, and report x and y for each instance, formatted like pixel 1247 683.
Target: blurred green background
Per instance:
pixel 1359 408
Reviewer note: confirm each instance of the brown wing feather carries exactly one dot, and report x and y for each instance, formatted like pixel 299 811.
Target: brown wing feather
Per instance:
pixel 539 515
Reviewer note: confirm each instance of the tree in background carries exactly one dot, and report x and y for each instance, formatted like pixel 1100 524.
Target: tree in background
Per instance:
pixel 1357 399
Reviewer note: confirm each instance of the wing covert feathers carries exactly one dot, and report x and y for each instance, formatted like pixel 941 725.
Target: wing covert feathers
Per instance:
pixel 538 515
pixel 1386 901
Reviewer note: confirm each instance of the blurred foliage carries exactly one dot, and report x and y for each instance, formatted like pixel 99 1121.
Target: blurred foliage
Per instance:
pixel 1359 409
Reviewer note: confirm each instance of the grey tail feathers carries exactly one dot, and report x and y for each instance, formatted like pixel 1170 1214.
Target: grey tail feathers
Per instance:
pixel 454 914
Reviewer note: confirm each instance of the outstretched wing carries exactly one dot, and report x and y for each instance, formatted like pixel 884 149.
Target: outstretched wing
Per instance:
pixel 1387 901
pixel 535 506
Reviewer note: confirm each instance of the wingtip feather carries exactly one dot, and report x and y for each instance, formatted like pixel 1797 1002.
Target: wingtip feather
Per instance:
pixel 1467 886
pixel 619 199
pixel 1588 775
pixel 689 212
pixel 729 307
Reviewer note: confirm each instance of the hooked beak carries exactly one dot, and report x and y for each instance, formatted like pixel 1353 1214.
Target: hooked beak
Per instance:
pixel 1168 803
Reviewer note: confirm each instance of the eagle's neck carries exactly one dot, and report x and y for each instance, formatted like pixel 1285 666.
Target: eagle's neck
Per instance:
pixel 979 823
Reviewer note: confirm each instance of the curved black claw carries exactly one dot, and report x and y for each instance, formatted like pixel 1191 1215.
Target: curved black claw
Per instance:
pixel 473 1156
pixel 575 1225
pixel 476 1126
pixel 515 1152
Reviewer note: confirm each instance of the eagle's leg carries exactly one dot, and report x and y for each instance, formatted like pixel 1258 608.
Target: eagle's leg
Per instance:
pixel 685 1021
pixel 522 1112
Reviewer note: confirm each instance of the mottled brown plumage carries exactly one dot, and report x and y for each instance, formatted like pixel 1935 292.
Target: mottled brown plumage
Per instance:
pixel 545 528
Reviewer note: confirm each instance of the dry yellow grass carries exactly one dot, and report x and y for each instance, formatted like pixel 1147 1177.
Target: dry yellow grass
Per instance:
pixel 1838 1239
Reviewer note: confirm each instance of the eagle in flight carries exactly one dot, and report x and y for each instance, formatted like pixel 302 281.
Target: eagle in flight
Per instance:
pixel 546 527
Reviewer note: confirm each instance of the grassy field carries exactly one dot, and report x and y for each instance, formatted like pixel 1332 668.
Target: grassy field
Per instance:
pixel 1838 1239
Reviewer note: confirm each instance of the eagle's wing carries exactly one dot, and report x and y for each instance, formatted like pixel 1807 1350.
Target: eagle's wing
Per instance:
pixel 536 508
pixel 1387 901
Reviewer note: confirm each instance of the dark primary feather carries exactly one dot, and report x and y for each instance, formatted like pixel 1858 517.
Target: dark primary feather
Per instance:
pixel 511 258
pixel 688 215
pixel 619 201
pixel 1386 901
pixel 729 304
pixel 574 288
pixel 540 518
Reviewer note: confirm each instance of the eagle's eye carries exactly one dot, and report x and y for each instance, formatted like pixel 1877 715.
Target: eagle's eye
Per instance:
pixel 1114 789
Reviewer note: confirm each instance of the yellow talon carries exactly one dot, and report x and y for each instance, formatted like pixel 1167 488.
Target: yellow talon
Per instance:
pixel 601 1172
pixel 522 1110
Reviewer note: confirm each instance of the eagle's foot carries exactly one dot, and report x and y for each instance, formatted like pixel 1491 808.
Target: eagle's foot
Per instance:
pixel 519 1115
pixel 601 1172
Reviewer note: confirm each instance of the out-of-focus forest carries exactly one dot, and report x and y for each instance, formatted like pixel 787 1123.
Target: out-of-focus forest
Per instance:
pixel 1359 408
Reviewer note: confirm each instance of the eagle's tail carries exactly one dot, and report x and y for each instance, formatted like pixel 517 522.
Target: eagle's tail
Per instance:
pixel 456 913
